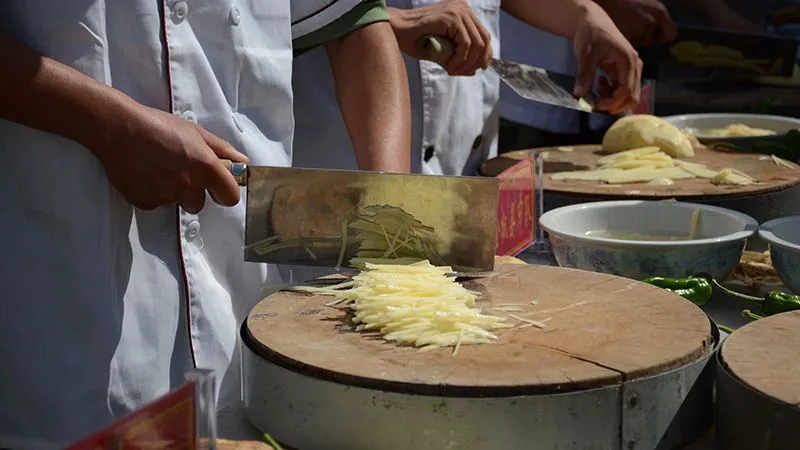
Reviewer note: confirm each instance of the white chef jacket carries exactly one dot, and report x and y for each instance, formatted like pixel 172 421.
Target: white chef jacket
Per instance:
pixel 528 45
pixel 454 119
pixel 104 306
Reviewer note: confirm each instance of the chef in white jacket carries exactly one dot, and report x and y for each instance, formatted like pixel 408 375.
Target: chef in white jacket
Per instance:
pixel 455 118
pixel 109 104
pixel 526 124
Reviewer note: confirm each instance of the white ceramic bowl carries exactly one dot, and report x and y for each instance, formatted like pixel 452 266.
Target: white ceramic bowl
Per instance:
pixel 783 236
pixel 694 122
pixel 723 236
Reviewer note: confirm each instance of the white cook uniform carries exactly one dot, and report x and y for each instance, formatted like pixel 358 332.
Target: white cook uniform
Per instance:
pixel 528 45
pixel 454 119
pixel 104 307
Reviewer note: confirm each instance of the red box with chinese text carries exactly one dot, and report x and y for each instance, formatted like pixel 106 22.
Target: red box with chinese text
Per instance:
pixel 169 422
pixel 516 225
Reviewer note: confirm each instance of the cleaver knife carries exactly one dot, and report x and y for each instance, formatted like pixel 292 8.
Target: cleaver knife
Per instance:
pixel 338 218
pixel 531 83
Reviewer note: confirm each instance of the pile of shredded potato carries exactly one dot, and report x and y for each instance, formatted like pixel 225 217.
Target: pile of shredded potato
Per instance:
pixel 653 166
pixel 417 304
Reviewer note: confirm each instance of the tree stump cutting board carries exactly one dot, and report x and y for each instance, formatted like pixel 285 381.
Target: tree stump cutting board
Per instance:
pixel 602 330
pixel 758 387
pixel 765 355
pixel 771 176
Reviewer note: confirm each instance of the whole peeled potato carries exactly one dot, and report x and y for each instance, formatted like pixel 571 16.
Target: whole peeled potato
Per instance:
pixel 643 130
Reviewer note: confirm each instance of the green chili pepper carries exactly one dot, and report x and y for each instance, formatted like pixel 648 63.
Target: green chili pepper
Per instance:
pixel 696 289
pixel 775 302
pixel 750 315
pixel 725 328
pixel 272 442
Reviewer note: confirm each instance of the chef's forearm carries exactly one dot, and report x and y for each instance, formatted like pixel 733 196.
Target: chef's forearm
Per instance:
pixel 559 17
pixel 372 89
pixel 42 93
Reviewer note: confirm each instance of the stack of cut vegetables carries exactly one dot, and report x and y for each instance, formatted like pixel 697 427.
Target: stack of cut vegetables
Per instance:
pixel 417 304
pixel 647 149
pixel 653 166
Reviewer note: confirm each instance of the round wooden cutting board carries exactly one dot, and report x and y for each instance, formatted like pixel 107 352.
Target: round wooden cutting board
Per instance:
pixel 771 176
pixel 601 331
pixel 765 355
pixel 758 386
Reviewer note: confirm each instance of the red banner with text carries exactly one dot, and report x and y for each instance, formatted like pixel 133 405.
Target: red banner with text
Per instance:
pixel 515 209
pixel 169 422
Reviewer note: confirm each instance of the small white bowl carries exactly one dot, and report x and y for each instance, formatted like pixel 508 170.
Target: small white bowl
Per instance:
pixel 724 234
pixel 783 236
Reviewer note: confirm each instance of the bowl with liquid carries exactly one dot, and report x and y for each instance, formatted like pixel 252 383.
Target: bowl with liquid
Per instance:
pixel 783 237
pixel 638 239
pixel 738 129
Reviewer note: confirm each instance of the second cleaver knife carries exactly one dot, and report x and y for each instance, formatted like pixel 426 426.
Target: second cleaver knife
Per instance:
pixel 529 82
pixel 336 218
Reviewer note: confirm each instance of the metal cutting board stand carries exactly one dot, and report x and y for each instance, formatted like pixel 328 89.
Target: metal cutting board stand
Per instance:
pixel 661 412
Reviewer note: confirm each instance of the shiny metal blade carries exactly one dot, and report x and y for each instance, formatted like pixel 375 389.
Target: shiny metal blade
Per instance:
pixel 327 218
pixel 540 85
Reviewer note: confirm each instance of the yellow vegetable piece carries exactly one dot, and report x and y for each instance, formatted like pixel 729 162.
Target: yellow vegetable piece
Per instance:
pixel 638 163
pixel 629 154
pixel 685 51
pixel 643 130
pixel 586 175
pixel 648 174
pixel 661 181
pixel 416 304
pixel 698 170
pixel 694 224
pixel 737 130
pixel 732 177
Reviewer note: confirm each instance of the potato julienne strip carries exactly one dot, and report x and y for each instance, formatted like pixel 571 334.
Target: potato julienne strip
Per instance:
pixel 416 304
pixel 535 323
pixel 507 308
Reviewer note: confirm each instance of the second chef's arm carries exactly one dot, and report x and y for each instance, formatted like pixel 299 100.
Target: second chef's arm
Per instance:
pixel 371 85
pixel 560 17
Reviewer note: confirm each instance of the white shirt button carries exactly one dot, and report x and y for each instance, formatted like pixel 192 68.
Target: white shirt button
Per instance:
pixel 190 116
pixel 179 12
pixel 192 230
pixel 235 16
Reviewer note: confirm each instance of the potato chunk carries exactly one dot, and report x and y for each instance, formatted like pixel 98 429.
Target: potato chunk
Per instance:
pixel 644 130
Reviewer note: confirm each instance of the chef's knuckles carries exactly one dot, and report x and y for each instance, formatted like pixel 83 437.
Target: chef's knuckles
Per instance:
pixel 157 159
pixel 453 19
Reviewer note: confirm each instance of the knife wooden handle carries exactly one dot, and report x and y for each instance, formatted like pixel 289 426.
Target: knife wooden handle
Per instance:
pixel 436 49
pixel 237 169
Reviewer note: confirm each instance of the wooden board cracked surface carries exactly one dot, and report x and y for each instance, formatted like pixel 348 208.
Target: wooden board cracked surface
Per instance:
pixel 602 330
pixel 765 356
pixel 584 157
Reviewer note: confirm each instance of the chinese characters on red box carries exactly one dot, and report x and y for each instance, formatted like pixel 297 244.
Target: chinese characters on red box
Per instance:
pixel 515 209
pixel 169 422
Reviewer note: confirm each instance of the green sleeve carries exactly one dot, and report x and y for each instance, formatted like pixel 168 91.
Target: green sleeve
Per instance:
pixel 365 13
